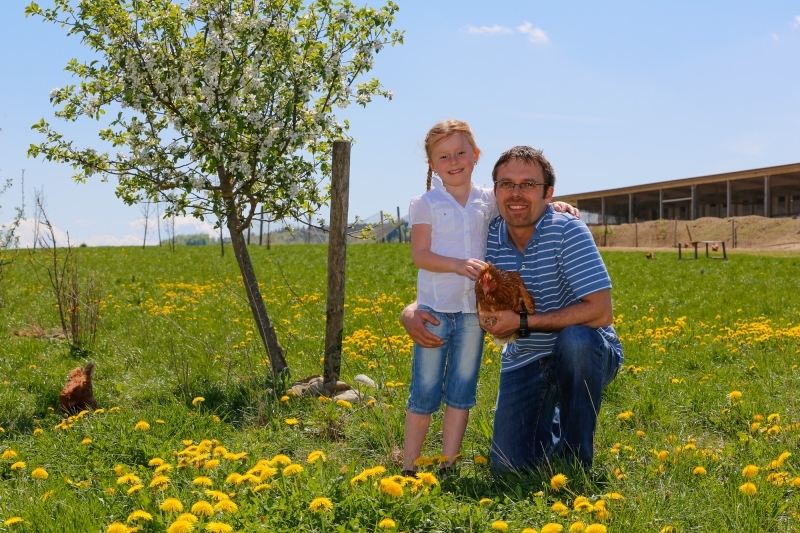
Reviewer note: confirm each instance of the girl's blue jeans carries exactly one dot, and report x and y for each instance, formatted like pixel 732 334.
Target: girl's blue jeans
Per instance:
pixel 573 377
pixel 447 374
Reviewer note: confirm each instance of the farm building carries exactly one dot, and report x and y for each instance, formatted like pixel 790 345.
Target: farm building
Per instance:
pixel 769 192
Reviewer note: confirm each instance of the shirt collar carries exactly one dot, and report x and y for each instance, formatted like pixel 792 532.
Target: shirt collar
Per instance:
pixel 503 233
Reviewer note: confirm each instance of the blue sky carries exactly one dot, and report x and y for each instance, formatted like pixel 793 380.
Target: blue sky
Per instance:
pixel 615 93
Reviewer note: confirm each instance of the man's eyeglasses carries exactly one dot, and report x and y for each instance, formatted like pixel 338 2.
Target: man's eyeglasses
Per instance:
pixel 508 186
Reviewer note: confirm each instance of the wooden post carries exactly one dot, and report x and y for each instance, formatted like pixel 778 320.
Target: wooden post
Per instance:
pixel 397 225
pixel 636 229
pixel 733 234
pixel 383 237
pixel 221 240
pixel 261 227
pixel 268 234
pixel 337 254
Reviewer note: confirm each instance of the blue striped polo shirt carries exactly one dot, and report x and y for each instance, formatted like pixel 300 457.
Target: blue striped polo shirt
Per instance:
pixel 560 266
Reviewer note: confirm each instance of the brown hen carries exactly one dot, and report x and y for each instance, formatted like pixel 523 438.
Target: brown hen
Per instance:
pixel 500 290
pixel 77 393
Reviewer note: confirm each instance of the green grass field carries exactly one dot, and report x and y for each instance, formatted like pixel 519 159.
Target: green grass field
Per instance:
pixel 709 387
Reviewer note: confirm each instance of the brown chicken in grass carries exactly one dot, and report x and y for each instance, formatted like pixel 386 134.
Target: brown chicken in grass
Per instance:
pixel 77 393
pixel 501 290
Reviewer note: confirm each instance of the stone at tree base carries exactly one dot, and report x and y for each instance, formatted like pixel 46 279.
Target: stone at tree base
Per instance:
pixel 352 396
pixel 365 380
pixel 337 387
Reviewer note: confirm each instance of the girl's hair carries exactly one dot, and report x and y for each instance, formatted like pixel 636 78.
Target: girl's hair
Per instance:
pixel 442 131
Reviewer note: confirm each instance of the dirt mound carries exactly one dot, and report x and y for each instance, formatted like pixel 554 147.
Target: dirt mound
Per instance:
pixel 752 233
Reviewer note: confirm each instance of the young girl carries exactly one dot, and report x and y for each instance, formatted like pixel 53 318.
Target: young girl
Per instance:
pixel 448 241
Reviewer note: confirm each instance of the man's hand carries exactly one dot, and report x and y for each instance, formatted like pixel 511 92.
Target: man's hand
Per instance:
pixel 414 320
pixel 563 207
pixel 501 324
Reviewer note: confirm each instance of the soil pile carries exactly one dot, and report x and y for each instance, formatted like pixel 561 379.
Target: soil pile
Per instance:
pixel 751 233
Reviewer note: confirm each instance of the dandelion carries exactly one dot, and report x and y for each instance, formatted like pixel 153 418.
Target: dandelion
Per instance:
pixel 529 530
pixel 197 401
pixel 284 398
pixel 315 456
pixel 391 488
pixel 117 527
pixel 552 528
pixel 155 461
pixel 187 517
pixel 774 430
pixel 320 505
pixel 595 528
pixel 141 425
pixel 484 501
pixel 218 527
pixel 281 459
pixel 662 455
pixel 140 514
pixel 499 525
pixel 19 465
pixel 615 496
pixel 427 478
pixel 625 415
pixel 774 417
pixel 558 482
pixel 9 454
pixel 216 495
pixel 13 520
pixel 180 526
pixel 292 470
pixel 480 460
pixel 159 481
pixel 37 431
pixel 583 504
pixel 699 471
pixel 344 403
pixel 203 481
pixel 171 505
pixel 135 488
pixel 667 529
pixel 292 421
pixel 234 479
pixel 387 523
pixel 202 508
pixel 734 395
pixel 226 506
pixel 783 457
pixel 163 468
pixel 211 463
pixel 39 473
pixel 577 527
pixel 748 489
pixel 750 471
pixel 560 508
pixel 795 482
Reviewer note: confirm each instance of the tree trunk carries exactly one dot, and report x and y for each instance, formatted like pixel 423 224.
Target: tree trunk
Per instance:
pixel 259 310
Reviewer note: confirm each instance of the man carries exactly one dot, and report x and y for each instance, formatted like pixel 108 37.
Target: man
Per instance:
pixel 568 351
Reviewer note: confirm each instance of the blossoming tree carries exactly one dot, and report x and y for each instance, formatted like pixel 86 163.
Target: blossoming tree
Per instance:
pixel 216 106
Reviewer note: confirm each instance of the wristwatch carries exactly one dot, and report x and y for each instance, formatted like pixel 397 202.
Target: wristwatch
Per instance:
pixel 523 330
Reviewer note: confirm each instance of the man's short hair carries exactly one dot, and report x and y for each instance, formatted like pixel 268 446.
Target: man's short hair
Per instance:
pixel 530 156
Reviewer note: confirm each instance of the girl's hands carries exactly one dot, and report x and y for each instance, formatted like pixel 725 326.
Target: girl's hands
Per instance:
pixel 470 268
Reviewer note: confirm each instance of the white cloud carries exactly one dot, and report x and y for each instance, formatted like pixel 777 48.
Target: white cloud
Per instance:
pixel 27 229
pixel 774 36
pixel 535 35
pixel 796 22
pixel 489 30
pixel 186 225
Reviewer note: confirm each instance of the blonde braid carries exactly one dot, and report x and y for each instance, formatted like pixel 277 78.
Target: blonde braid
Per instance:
pixel 430 175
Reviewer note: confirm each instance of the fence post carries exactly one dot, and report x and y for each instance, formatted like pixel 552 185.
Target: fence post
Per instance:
pixel 337 254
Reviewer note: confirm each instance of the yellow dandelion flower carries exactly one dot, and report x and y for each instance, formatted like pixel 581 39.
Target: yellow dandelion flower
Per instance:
pixel 615 496
pixel 344 403
pixel 203 481
pixel 754 426
pixel 699 471
pixel 480 460
pixel 783 457
pixel 750 471
pixel 187 517
pixel 155 461
pixel 662 455
pixel 19 465
pixel 577 527
pixel 292 470
pixel 390 488
pixel 166 467
pixel 427 478
pixel 558 482
pixel 138 515
pixel 159 481
pixel 226 506
pixel 40 473
pixel 284 398
pixel 218 527
pixel 234 479
pixel 114 409
pixel 625 415
pixel 37 431
pixel 117 527
pixel 216 495
pixel 261 486
pixel 582 504
pixel 667 529
pixel 180 526
pixel 202 508
pixel 315 456
pixel 198 400
pixel 529 530
pixel 387 523
pixel 748 489
pixel 774 430
pixel 171 505
pixel 13 520
pixel 552 528
pixel 595 528
pixel 774 417
pixel 141 425
pixel 320 505
pixel 292 421
pixel 135 488
pixel 735 395
pixel 560 508
pixel 499 525
pixel 484 501
pixel 46 495
pixel 795 482
pixel 9 454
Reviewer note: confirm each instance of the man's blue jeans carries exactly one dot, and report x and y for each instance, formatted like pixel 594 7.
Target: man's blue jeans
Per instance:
pixel 573 377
